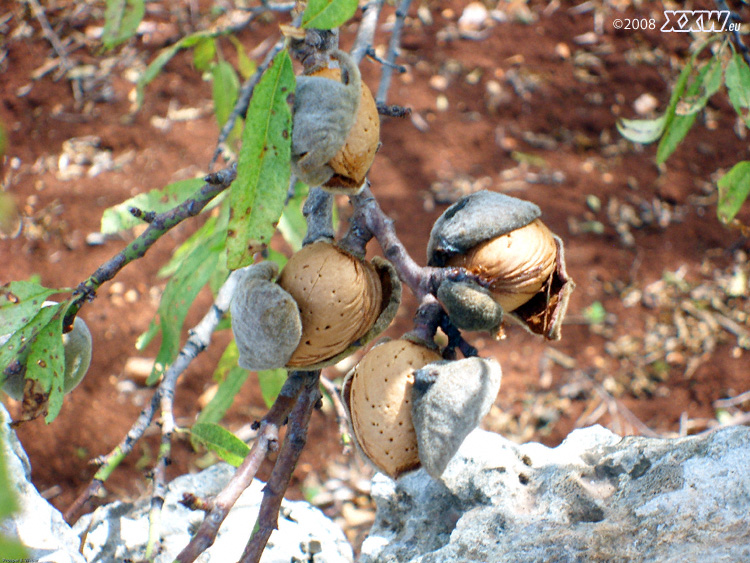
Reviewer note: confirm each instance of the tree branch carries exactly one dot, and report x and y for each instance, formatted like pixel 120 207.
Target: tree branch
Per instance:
pixel 161 223
pixel 268 433
pixel 394 49
pixel 273 493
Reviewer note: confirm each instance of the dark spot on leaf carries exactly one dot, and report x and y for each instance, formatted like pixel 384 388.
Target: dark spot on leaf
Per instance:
pixel 12 297
pixel 41 363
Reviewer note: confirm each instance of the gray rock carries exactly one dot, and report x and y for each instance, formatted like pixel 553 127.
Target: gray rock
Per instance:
pixel 120 530
pixel 38 525
pixel 596 497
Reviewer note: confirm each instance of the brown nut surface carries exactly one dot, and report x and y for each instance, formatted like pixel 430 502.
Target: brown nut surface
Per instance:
pixel 377 395
pixel 355 158
pixel 518 264
pixel 339 297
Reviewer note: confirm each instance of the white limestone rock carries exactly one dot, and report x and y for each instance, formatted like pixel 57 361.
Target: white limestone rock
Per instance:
pixel 37 525
pixel 596 497
pixel 120 530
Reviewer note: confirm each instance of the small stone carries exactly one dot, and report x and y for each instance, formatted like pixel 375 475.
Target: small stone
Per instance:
pixel 645 104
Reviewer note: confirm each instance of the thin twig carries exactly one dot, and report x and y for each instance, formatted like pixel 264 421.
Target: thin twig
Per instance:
pixel 273 492
pixel 266 441
pixel 368 214
pixel 50 34
pixel 732 401
pixel 161 223
pixel 341 418
pixel 394 49
pixel 366 33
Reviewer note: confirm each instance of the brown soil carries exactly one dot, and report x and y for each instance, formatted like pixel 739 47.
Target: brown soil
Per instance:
pixel 530 111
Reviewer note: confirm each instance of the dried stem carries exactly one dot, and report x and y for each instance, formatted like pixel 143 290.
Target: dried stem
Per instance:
pixel 273 493
pixel 265 441
pixel 341 418
pixel 50 34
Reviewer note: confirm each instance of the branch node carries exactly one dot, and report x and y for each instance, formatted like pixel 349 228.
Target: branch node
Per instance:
pixel 393 110
pixel 145 216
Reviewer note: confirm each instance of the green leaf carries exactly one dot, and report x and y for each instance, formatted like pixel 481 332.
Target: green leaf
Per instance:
pixel 709 82
pixel 327 14
pixel 257 195
pixel 19 302
pixel 121 19
pixel 244 63
pixel 271 381
pixel 643 131
pixel 225 394
pixel 221 441
pixel 12 550
pixel 737 78
pixel 196 239
pixel 182 289
pixel 46 362
pixel 226 87
pixel 679 125
pixel 734 188
pixel 227 391
pixel 203 53
pixel 153 70
pixel 16 350
pixel 676 132
pixel 293 225
pixel 119 218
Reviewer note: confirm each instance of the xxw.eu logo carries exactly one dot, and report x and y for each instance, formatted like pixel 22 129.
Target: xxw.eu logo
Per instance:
pixel 684 21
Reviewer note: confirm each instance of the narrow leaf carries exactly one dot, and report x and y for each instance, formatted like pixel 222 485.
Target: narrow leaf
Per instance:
pixel 244 63
pixel 19 302
pixel 121 20
pixel 226 87
pixel 642 131
pixel 678 128
pixel 181 291
pixel 221 441
pixel 203 53
pixel 271 381
pixel 327 14
pixel 227 391
pixel 678 125
pixel 153 70
pixel 119 218
pixel 196 239
pixel 293 225
pixel 734 189
pixel 257 195
pixel 738 83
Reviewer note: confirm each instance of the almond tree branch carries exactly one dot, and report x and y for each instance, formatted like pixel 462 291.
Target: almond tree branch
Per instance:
pixel 266 440
pixel 294 442
pixel 366 33
pixel 160 224
pixel 394 49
